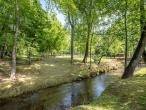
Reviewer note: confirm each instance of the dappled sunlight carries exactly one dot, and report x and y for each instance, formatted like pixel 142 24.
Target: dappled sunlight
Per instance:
pixel 92 107
pixel 141 71
pixel 37 66
pixel 45 44
pixel 56 71
pixel 8 86
pixel 52 65
pixel 47 73
pixel 6 79
pixel 45 64
pixel 25 78
pixel 66 56
pixel 26 68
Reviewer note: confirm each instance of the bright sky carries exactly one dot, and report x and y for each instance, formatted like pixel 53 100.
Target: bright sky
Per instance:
pixel 60 16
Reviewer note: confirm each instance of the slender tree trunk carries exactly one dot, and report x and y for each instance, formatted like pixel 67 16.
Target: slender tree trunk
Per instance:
pixel 144 56
pixel 72 43
pixel 71 22
pixel 13 70
pixel 126 35
pixel 87 46
pixel 1 55
pixel 29 55
pixel 90 51
pixel 140 47
pixel 89 24
pixel 2 51
pixel 29 49
pixel 3 47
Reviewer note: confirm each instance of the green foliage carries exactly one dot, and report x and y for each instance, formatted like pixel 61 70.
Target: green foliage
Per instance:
pixel 41 30
pixel 38 31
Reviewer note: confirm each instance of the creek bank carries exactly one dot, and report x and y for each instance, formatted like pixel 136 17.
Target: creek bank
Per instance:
pixel 100 69
pixel 52 73
pixel 60 97
pixel 128 94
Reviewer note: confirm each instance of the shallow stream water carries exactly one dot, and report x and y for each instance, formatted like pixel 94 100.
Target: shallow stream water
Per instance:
pixel 60 97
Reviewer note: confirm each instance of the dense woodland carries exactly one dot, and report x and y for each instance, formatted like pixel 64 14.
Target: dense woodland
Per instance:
pixel 93 28
pixel 30 31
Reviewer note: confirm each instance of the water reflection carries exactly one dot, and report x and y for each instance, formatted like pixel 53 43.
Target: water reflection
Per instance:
pixel 59 98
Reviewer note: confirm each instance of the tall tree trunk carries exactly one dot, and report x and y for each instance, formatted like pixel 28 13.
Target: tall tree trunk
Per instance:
pixel 136 57
pixel 140 47
pixel 71 22
pixel 91 51
pixel 144 56
pixel 1 55
pixel 72 43
pixel 87 46
pixel 2 51
pixel 126 35
pixel 13 70
pixel 29 55
pixel 89 29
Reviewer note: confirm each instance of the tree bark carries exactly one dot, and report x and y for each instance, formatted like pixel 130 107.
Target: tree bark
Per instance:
pixel 140 47
pixel 29 55
pixel 71 22
pixel 13 70
pixel 144 56
pixel 126 35
pixel 89 24
pixel 136 57
pixel 87 46
pixel 91 51
pixel 2 51
pixel 72 43
pixel 1 55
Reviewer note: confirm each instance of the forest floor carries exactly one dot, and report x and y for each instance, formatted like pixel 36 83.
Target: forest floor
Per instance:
pixel 48 73
pixel 128 94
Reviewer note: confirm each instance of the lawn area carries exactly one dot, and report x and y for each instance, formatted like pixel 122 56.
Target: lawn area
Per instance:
pixel 42 74
pixel 129 94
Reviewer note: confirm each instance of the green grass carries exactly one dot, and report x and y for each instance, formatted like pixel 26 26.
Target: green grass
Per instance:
pixel 141 72
pixel 41 75
pixel 52 72
pixel 129 94
pixel 104 59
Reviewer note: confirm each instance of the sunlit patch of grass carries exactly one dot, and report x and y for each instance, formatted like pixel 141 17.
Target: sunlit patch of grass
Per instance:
pixel 86 107
pixel 140 72
pixel 104 59
pixel 8 86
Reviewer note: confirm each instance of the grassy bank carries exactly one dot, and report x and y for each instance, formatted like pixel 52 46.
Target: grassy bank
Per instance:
pixel 129 94
pixel 51 72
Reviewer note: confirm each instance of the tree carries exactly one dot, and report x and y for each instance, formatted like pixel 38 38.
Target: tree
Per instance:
pixel 71 21
pixel 13 70
pixel 126 34
pixel 140 47
pixel 144 56
pixel 69 9
pixel 89 20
